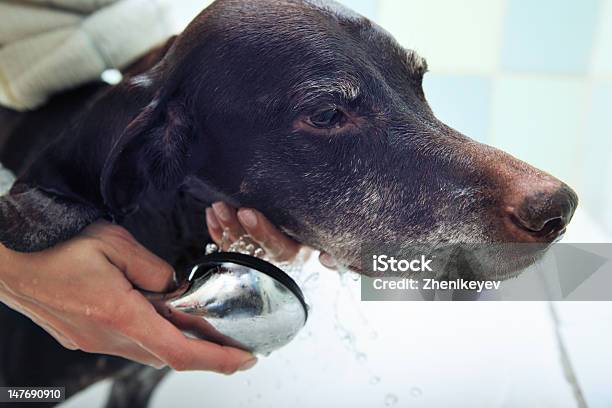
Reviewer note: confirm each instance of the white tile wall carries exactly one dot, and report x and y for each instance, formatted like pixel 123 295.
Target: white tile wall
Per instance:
pixel 454 36
pixel 537 119
pixel 602 52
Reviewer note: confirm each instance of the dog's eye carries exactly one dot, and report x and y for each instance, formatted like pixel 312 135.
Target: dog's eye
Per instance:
pixel 326 119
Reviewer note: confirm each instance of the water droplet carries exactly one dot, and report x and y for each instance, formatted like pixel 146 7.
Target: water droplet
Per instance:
pixel 87 311
pixel 225 238
pixel 374 380
pixel 361 357
pixel 416 392
pixel 311 279
pixel 211 248
pixel 390 400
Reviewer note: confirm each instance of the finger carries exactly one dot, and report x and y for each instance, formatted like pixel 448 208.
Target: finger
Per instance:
pixel 327 260
pixel 226 216
pixel 214 228
pixel 161 338
pixel 276 244
pixel 142 268
pixel 142 358
pixel 135 353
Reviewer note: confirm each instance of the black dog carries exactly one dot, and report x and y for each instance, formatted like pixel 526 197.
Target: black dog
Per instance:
pixel 301 109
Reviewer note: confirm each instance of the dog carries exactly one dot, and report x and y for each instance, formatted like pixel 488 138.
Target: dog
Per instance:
pixel 300 108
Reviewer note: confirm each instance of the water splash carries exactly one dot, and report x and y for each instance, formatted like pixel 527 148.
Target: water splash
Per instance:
pixel 361 357
pixel 225 238
pixel 346 335
pixel 310 280
pixel 416 392
pixel 295 267
pixel 391 400
pixel 243 245
pixel 211 249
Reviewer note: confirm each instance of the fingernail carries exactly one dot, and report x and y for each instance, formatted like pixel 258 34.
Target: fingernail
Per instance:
pixel 247 217
pixel 221 210
pixel 248 364
pixel 211 220
pixel 327 260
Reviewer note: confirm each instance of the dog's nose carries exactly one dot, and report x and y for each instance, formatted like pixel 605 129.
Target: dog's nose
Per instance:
pixel 542 214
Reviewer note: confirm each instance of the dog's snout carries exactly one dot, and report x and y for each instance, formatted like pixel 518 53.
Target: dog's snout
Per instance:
pixel 542 215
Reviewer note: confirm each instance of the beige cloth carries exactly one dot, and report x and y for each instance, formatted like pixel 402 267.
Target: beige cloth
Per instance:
pixel 47 46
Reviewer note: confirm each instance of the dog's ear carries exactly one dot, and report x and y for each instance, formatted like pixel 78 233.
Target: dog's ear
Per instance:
pixel 153 151
pixel 131 137
pixel 74 182
pixel 32 219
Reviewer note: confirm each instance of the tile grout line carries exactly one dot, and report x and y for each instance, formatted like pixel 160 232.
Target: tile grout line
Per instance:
pixel 568 369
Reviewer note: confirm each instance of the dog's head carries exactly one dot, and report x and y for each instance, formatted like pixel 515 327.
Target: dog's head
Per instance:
pixel 317 117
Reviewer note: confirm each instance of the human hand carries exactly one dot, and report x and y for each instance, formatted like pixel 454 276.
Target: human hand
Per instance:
pixel 278 246
pixel 84 293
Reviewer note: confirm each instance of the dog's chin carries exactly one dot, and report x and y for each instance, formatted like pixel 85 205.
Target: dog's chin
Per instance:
pixel 510 264
pixel 505 269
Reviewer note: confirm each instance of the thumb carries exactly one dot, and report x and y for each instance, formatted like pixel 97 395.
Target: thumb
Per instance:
pixel 139 265
pixel 149 272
